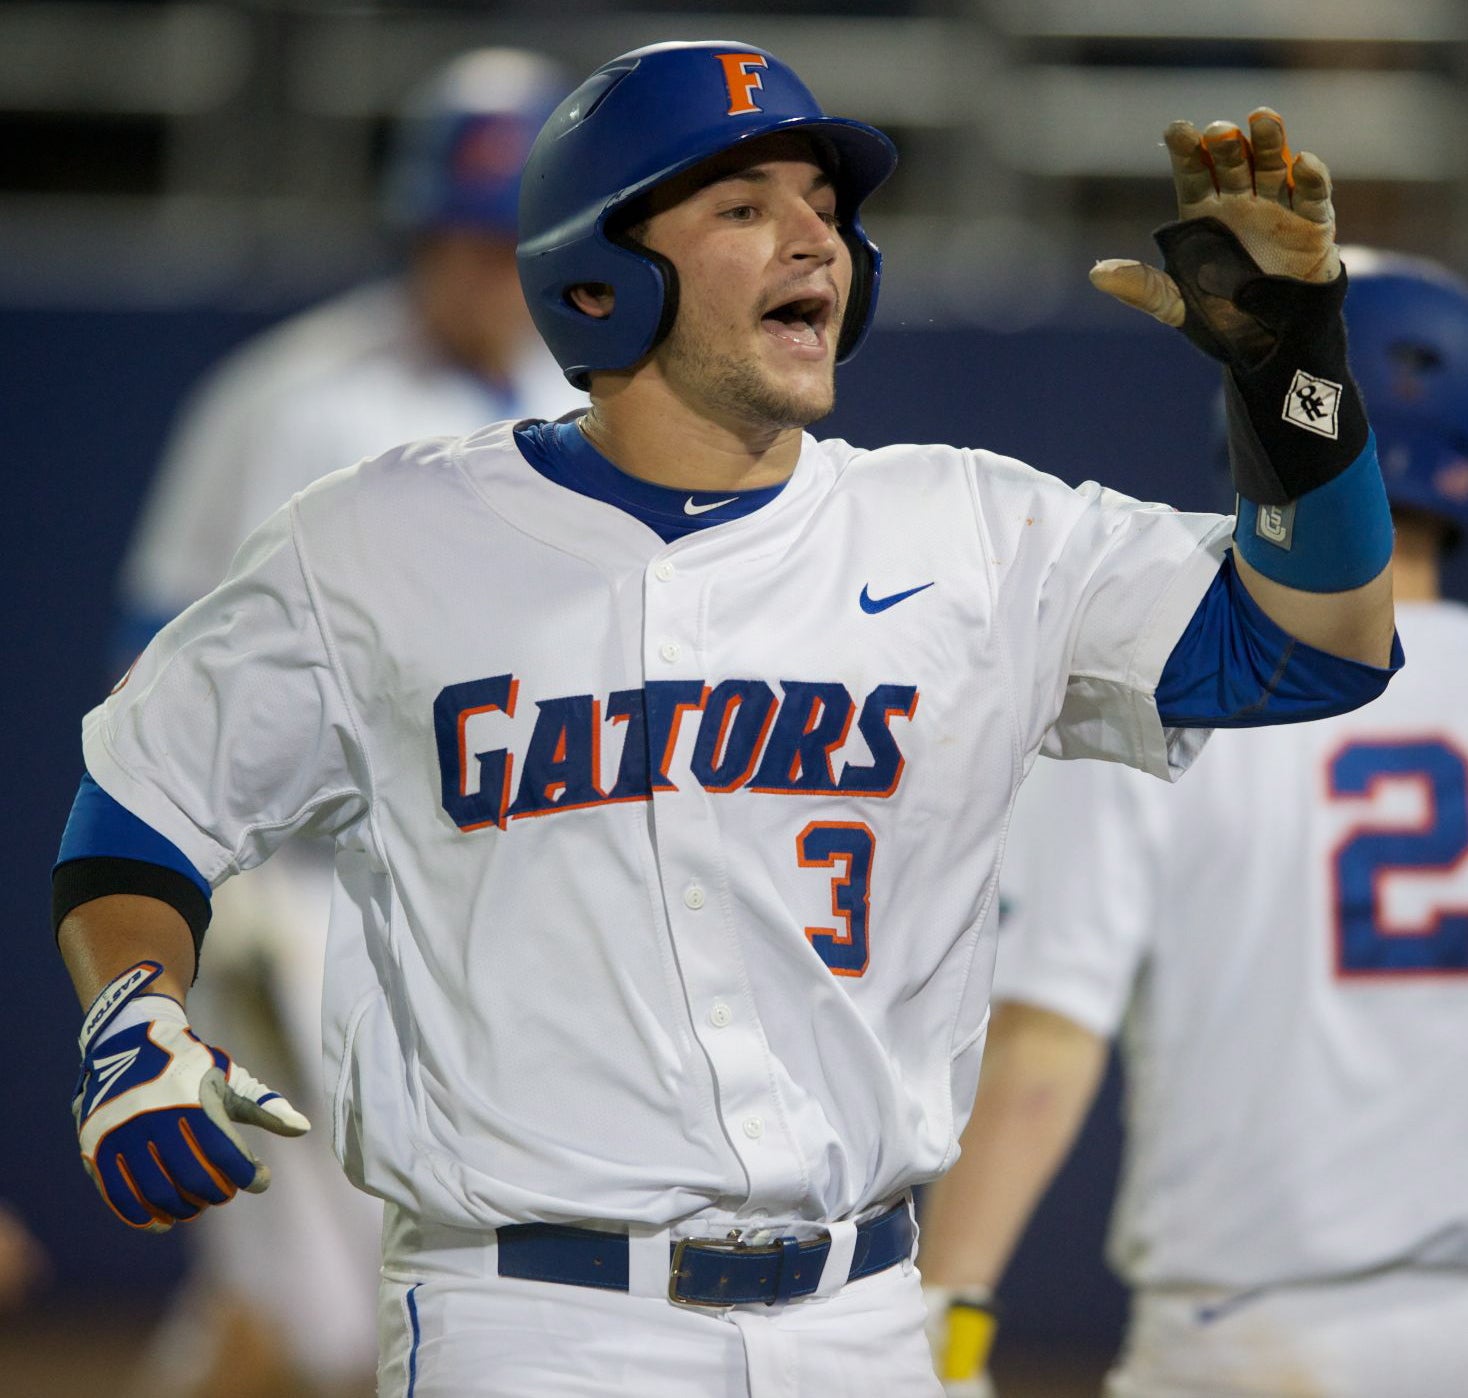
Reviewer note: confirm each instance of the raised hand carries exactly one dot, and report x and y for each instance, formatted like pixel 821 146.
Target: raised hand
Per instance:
pixel 1275 203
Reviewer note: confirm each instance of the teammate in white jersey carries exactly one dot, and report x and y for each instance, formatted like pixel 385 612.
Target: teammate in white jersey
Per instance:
pixel 667 755
pixel 1282 943
pixel 282 1299
pixel 447 345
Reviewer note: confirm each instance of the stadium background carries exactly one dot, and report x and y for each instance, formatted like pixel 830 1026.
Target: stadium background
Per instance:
pixel 175 176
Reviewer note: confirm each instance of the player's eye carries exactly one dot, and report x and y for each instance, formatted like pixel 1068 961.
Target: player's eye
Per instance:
pixel 741 213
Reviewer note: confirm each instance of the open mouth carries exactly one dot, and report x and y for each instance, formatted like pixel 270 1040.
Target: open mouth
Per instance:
pixel 801 321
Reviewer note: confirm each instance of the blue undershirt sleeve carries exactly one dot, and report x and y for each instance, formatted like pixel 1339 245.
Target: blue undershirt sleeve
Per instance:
pixel 100 827
pixel 1234 668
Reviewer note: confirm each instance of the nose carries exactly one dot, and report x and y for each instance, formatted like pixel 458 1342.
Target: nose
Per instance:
pixel 810 236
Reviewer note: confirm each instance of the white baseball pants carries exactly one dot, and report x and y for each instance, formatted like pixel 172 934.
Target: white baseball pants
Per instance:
pixel 1399 1334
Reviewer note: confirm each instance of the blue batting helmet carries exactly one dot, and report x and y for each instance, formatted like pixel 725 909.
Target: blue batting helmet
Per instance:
pixel 1407 329
pixel 635 123
pixel 459 146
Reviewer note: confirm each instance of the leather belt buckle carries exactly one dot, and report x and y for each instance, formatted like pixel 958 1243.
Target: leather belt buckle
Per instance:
pixel 733 1244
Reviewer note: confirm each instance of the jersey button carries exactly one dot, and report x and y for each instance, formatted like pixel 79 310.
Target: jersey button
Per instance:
pixel 670 651
pixel 694 896
pixel 754 1128
pixel 721 1015
pixel 664 571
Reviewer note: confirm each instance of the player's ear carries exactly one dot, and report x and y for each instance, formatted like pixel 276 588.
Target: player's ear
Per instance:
pixel 594 299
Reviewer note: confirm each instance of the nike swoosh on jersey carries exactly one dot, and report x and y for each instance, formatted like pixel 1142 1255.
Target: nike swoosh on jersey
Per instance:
pixel 689 508
pixel 872 605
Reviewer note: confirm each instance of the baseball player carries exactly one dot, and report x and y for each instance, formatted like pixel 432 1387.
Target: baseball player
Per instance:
pixel 1282 943
pixel 667 753
pixel 283 1298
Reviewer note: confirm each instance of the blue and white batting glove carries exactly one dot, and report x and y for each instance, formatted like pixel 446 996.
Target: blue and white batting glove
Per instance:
pixel 156 1108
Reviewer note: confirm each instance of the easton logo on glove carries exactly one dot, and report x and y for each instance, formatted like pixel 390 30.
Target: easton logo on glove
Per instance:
pixel 107 1072
pixel 156 1108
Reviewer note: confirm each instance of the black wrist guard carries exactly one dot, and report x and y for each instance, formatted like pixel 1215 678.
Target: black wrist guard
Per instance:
pixel 1295 417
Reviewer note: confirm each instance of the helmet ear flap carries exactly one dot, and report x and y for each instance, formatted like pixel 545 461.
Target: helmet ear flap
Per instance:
pixel 669 310
pixel 655 266
pixel 623 235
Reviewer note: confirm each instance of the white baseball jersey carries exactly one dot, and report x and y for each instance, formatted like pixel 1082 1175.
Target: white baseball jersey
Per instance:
pixel 337 383
pixel 1289 928
pixel 665 873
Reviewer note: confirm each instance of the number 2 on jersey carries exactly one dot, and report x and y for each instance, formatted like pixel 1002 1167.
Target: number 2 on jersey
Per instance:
pixel 1367 944
pixel 847 847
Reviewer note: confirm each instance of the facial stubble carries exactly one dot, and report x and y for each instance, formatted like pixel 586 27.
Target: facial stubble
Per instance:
pixel 740 387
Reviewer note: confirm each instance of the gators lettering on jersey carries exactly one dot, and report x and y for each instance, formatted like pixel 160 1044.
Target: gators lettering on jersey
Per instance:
pixel 798 743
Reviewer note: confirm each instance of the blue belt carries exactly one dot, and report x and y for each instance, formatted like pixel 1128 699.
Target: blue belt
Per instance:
pixel 703 1271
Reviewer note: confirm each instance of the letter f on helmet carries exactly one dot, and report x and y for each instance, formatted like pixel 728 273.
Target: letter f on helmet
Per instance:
pixel 741 77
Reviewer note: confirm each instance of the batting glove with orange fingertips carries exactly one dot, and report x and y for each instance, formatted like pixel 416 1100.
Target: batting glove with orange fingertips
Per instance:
pixel 157 1109
pixel 1254 279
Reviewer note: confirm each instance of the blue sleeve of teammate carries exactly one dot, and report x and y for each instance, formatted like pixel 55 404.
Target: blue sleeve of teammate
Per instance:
pixel 1234 668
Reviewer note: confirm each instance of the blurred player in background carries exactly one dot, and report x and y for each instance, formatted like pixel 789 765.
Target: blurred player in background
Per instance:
pixel 1283 943
pixel 24 1266
pixel 280 1300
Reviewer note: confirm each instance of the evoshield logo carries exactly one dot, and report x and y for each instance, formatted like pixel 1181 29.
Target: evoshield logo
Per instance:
pixel 1314 404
